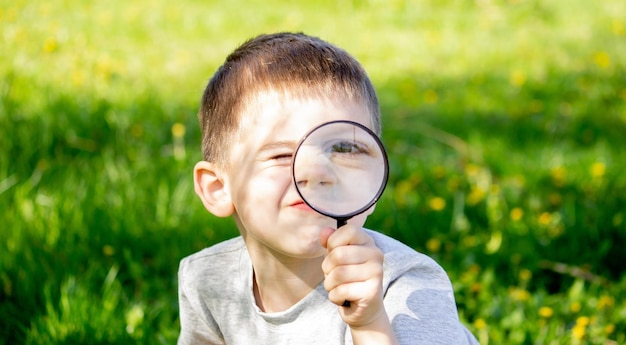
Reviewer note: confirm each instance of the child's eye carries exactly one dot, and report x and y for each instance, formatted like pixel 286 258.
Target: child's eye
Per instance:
pixel 282 156
pixel 348 147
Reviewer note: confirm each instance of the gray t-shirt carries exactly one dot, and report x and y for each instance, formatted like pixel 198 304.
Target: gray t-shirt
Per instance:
pixel 217 304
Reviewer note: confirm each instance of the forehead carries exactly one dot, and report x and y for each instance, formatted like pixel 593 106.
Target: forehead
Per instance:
pixel 270 117
pixel 278 112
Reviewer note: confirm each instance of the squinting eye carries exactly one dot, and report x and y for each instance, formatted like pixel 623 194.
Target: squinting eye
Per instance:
pixel 347 147
pixel 284 156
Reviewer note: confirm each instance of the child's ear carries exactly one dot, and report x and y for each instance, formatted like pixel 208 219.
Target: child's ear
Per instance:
pixel 209 184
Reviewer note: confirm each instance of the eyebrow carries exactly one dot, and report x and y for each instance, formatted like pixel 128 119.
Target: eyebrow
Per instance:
pixel 278 145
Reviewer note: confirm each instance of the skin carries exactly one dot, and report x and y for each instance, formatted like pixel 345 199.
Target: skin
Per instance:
pixel 292 247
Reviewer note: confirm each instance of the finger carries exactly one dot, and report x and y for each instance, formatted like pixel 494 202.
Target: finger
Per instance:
pixel 352 274
pixel 348 235
pixel 324 235
pixel 351 255
pixel 358 293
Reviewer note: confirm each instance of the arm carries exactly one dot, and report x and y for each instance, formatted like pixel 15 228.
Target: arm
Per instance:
pixel 419 306
pixel 353 270
pixel 419 298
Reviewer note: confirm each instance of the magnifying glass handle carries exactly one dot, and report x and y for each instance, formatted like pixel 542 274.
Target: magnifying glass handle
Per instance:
pixel 341 222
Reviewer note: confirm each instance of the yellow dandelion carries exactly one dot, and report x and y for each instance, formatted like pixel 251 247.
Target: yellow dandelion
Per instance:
pixel 408 88
pixel 178 130
pixel 433 38
pixel 605 302
pixel 439 171
pixel 78 78
pixel 104 67
pixel 43 165
pixel 546 312
pixel 108 250
pixel 582 321
pixel 558 175
pixel 480 323
pixel 433 245
pixel 50 45
pixel 495 189
pixel 578 331
pixel 525 274
pixel 598 169
pixel 517 78
pixel 609 329
pixel 518 181
pixel 476 287
pixel 516 214
pixel 44 10
pixel 430 96
pixel 575 307
pixel 617 27
pixel 545 218
pixel 470 241
pixel 437 203
pixel 473 169
pixel 403 191
pixel 475 196
pixel 518 294
pixel 104 18
pixel 453 184
pixel 555 199
pixel 602 59
pixel 557 230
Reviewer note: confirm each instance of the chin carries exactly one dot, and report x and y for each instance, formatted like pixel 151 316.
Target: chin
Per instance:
pixel 310 255
pixel 307 248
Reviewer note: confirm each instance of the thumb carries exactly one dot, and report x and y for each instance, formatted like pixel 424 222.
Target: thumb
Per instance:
pixel 324 235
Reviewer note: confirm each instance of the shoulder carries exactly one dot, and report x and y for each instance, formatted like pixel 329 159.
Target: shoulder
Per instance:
pixel 419 298
pixel 401 260
pixel 206 289
pixel 212 262
pixel 225 248
pixel 399 254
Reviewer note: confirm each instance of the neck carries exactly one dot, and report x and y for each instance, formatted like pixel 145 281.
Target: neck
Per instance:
pixel 280 282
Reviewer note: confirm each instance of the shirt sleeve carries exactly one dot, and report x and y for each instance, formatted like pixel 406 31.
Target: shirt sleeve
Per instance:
pixel 419 301
pixel 196 324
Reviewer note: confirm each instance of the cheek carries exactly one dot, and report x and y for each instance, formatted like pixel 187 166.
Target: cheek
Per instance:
pixel 265 187
pixel 360 219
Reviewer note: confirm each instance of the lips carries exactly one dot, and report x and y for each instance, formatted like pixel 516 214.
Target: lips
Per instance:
pixel 300 205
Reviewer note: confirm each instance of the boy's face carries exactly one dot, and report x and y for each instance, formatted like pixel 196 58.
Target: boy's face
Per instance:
pixel 268 210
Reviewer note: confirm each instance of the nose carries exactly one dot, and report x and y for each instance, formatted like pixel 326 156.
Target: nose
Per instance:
pixel 313 170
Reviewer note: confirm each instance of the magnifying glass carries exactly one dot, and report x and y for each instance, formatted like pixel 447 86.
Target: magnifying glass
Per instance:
pixel 340 169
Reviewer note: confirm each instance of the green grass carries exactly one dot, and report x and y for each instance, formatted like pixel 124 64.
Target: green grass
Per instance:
pixel 505 122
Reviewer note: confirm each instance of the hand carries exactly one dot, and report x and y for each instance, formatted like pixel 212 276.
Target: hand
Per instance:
pixel 353 270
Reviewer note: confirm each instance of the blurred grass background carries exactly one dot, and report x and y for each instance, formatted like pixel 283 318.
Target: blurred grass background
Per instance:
pixel 505 122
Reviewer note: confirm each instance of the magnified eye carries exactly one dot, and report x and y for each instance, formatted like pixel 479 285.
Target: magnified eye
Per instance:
pixel 348 147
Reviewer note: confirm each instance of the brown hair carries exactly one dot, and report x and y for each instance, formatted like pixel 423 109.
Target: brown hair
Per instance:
pixel 293 63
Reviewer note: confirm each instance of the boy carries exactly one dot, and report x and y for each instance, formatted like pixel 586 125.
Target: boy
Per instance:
pixel 286 278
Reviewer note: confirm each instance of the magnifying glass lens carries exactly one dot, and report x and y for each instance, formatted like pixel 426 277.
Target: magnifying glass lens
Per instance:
pixel 340 169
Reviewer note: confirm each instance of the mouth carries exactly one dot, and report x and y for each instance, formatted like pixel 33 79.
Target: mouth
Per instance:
pixel 301 205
